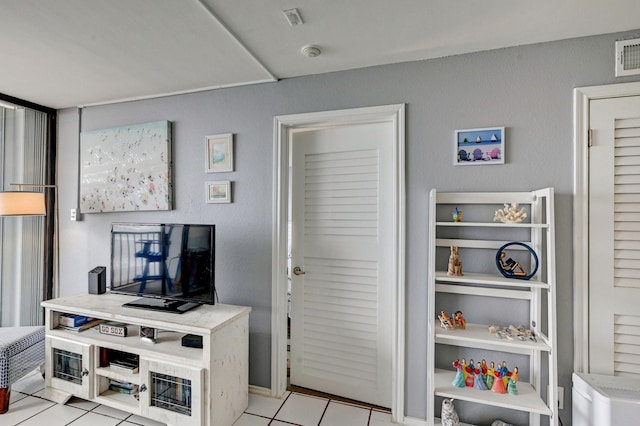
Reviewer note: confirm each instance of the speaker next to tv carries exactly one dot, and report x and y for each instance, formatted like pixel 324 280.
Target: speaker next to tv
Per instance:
pixel 98 280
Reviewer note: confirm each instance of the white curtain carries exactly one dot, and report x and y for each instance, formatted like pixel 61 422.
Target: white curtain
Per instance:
pixel 23 151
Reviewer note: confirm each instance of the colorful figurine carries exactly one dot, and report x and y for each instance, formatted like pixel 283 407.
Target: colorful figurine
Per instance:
pixel 491 371
pixel 458 381
pixel 457 215
pixel 459 320
pixel 464 368
pixel 513 379
pixel 504 373
pixel 484 370
pixel 445 321
pixel 498 384
pixel 478 381
pixel 455 265
pixel 469 378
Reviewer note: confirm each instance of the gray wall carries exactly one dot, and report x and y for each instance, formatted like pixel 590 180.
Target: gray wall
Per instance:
pixel 528 89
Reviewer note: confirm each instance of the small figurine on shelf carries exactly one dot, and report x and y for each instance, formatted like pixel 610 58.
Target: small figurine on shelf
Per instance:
pixel 504 373
pixel 491 375
pixel 511 267
pixel 498 384
pixel 513 379
pixel 448 415
pixel 484 370
pixel 459 320
pixel 457 215
pixel 445 321
pixel 464 368
pixel 455 264
pixel 458 381
pixel 469 378
pixel 478 380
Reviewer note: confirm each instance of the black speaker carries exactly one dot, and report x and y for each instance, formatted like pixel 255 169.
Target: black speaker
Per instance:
pixel 98 280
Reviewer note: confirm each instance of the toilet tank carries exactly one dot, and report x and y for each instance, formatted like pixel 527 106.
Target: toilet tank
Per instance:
pixel 600 400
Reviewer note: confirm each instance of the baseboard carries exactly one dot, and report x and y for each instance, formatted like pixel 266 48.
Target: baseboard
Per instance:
pixel 412 421
pixel 259 390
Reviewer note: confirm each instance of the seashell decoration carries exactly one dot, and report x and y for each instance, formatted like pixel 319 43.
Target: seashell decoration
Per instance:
pixel 510 214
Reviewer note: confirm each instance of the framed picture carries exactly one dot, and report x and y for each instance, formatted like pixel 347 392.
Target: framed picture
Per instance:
pixel 148 334
pixel 218 192
pixel 219 153
pixel 479 146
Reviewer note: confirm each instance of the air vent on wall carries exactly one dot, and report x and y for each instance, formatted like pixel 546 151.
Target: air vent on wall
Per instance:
pixel 628 57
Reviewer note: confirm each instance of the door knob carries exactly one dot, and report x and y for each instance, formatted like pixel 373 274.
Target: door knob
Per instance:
pixel 298 271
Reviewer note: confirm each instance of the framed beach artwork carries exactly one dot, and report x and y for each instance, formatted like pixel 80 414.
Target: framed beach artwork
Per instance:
pixel 219 156
pixel 126 168
pixel 218 192
pixel 479 146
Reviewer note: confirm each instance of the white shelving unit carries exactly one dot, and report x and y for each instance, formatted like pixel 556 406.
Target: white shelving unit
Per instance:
pixel 480 237
pixel 171 383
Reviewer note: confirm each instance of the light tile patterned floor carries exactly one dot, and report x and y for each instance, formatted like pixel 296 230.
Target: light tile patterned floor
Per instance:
pixel 29 407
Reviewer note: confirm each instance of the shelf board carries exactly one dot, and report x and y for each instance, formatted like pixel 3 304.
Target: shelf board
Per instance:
pixel 527 399
pixel 438 422
pixel 490 279
pixel 478 336
pixel 494 225
pixel 120 375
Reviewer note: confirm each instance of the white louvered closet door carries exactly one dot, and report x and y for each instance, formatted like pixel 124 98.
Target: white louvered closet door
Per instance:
pixel 614 237
pixel 341 339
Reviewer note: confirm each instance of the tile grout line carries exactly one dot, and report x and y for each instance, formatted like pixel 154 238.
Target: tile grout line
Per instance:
pixel 326 407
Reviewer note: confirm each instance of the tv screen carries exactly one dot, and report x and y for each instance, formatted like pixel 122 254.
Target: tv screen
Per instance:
pixel 170 266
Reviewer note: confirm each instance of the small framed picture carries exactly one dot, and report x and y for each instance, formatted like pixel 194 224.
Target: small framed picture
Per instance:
pixel 148 334
pixel 479 146
pixel 218 192
pixel 219 153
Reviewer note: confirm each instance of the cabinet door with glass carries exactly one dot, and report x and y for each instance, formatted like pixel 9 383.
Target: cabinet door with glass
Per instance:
pixel 69 366
pixel 171 393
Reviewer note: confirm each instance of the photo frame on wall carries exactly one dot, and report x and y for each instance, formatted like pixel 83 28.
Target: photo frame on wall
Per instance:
pixel 218 192
pixel 219 156
pixel 479 146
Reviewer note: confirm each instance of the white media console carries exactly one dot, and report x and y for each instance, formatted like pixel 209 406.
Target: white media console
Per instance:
pixel 167 382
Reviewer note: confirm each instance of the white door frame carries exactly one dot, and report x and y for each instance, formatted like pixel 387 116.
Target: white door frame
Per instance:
pixel 283 125
pixel 581 98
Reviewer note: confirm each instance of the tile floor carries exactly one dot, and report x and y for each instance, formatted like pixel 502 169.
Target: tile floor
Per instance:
pixel 29 407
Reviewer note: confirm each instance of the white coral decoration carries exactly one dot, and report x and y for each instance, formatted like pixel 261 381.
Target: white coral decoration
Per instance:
pixel 510 214
pixel 448 415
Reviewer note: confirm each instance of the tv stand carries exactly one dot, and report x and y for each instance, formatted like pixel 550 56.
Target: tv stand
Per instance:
pixel 165 381
pixel 173 306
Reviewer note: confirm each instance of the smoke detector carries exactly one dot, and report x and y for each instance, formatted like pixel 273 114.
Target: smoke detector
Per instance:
pixel 628 57
pixel 311 51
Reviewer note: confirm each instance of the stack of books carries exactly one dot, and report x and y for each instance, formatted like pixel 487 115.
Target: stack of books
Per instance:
pixel 123 387
pixel 73 322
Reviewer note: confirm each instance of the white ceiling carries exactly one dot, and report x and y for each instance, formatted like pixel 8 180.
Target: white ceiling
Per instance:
pixel 67 53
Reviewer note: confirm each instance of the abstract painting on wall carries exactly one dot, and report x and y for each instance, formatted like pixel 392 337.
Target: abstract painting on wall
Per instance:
pixel 126 168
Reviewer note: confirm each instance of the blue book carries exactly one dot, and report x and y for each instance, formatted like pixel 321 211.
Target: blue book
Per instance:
pixel 69 320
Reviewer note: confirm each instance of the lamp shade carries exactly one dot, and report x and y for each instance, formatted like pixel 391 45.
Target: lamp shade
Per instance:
pixel 22 203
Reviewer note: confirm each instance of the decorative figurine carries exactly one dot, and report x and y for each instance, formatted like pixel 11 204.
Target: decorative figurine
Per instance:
pixel 498 384
pixel 478 380
pixel 445 321
pixel 464 368
pixel 484 370
pixel 448 415
pixel 513 379
pixel 510 266
pixel 469 378
pixel 458 381
pixel 457 215
pixel 455 265
pixel 510 214
pixel 504 373
pixel 490 375
pixel 459 320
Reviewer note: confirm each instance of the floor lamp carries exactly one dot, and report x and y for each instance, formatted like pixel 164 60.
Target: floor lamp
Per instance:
pixel 29 203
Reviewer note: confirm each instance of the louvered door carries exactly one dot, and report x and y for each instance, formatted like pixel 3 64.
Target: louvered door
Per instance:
pixel 614 237
pixel 341 238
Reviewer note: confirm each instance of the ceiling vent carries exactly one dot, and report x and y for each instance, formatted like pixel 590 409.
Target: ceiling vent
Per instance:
pixel 628 57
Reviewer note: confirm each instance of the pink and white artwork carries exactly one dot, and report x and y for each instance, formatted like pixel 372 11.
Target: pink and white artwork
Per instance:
pixel 126 168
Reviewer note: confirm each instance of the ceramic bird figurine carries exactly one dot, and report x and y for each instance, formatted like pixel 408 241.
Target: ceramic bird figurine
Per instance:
pixel 449 417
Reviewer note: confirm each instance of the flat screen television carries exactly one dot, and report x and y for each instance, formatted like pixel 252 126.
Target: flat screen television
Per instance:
pixel 170 266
